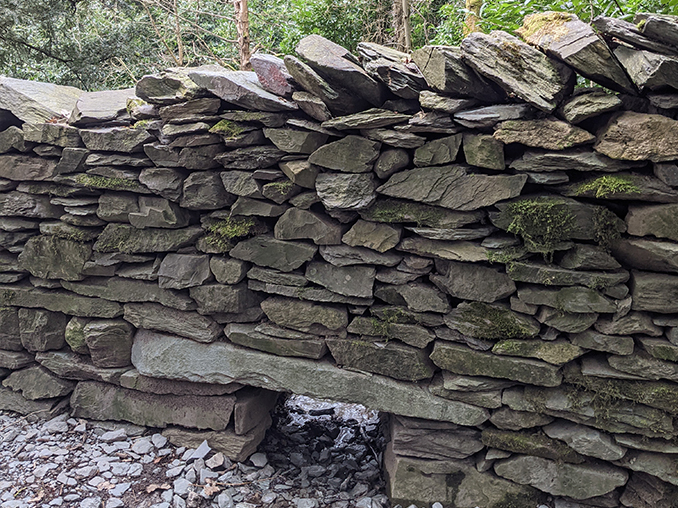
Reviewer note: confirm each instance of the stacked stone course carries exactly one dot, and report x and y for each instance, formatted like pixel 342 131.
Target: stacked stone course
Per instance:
pixel 460 238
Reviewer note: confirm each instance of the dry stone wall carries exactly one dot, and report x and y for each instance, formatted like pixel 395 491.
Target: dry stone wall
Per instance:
pixel 460 238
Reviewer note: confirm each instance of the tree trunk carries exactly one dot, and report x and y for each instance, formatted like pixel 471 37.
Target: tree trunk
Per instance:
pixel 242 24
pixel 407 27
pixel 401 24
pixel 470 24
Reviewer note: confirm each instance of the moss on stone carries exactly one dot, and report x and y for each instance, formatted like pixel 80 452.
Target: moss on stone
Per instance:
pixel 518 501
pixel 227 128
pixel 609 185
pixel 543 23
pixel 104 182
pixel 494 322
pixel 390 211
pixel 142 124
pixel 605 230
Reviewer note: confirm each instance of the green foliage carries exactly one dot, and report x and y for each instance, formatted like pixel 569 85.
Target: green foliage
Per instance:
pixel 607 185
pixel 104 182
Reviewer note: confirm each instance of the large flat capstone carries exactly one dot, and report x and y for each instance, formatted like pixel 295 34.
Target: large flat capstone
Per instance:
pixel 166 356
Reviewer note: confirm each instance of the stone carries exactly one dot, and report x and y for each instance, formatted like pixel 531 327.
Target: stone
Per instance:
pixel 228 270
pixel 216 298
pixel 629 32
pixel 484 151
pixel 168 87
pixel 485 321
pixel 300 172
pixel 101 107
pixel 37 383
pixel 589 105
pixel 159 213
pixel 558 352
pixel 649 71
pixel 445 71
pixel 632 323
pixel 463 360
pixel 638 136
pixel 351 154
pixel 41 330
pixel 13 137
pixel 518 68
pixel 641 364
pixel 411 334
pixel 205 191
pixel 14 360
pixel 444 103
pixel 537 445
pixel 115 139
pixel 346 191
pixel 509 419
pixel 126 238
pixel 312 105
pixel 448 250
pixel 452 187
pixel 538 273
pixel 489 116
pixel 398 361
pixel 25 167
pixel 246 335
pixel 588 257
pixel 659 348
pixel 296 141
pixel 567 38
pixel 269 252
pixel 252 408
pixel 667 173
pixel 51 257
pixel 578 159
pixel 68 365
pixel 654 292
pixel 10 338
pixel 103 401
pixel 647 254
pixel 298 224
pixel 125 290
pixel 167 182
pixel 257 208
pixel 339 66
pixel 434 443
pixel 35 102
pixel 394 138
pixel 181 271
pixel 392 68
pixel 473 282
pixel 59 301
pixel 310 293
pixel 645 491
pixel 374 118
pixel 379 237
pixel 220 361
pixel 272 74
pixel 236 447
pixel 575 299
pixel 547 133
pixel 183 323
pixel 439 151
pixel 623 186
pixel 116 206
pixel 654 220
pixel 659 465
pixel 416 296
pixel 305 316
pixel 566 321
pixel 75 335
pixel 135 381
pixel 578 481
pixel 338 100
pixel 617 344
pixel 109 342
pixel 350 280
pixel 45 408
pixel 433 122
pixel 250 157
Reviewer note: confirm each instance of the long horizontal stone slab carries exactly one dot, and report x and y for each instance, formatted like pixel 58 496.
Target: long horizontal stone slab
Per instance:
pixel 166 356
pixel 59 301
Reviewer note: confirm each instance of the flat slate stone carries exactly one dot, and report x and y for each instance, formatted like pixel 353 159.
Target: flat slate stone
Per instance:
pixel 51 257
pixel 241 88
pixel 393 68
pixel 35 102
pixel 558 352
pixel 305 316
pixel 296 140
pixel 45 409
pixel 589 105
pixel 135 381
pixel 344 255
pixel 617 344
pixel 116 139
pixel 654 220
pixel 439 151
pixel 223 298
pixel 639 136
pixel 349 281
pixel 485 321
pixel 313 294
pixel 186 324
pixel 575 299
pixel 449 250
pixel 461 359
pixel 346 191
pixel 158 355
pixel 474 282
pixel 656 464
pixel 398 361
pixel 630 33
pixel 250 157
pixel 444 103
pixel 484 151
pixel 269 252
pixel 339 66
pixel 14 360
pixel 379 237
pixel 370 119
pixel 36 383
pixel 648 70
pixel 537 273
pixel 393 138
pixel 68 365
pixel 52 134
pixel 416 296
pixel 101 107
pixel 647 254
pixel 109 342
pixel 41 330
pixel 518 68
pixel 489 116
pixel 102 401
pixel 246 335
pixel 351 154
pixel 411 334
pixel 547 133
pixel 298 224
pixel 659 27
pixel 537 445
pixel 445 71
pixel 126 238
pixel 566 37
pixel 272 74
pixel 576 159
pixel 654 292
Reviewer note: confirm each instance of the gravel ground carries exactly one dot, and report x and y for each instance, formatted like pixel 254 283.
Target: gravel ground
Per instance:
pixel 316 454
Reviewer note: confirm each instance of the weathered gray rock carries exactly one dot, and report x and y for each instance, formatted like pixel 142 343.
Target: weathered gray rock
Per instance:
pixel 484 151
pixel 267 251
pixel 444 103
pixel 473 282
pixel 247 335
pixel 647 254
pixel 439 151
pixel 460 359
pixel 578 159
pixel 272 74
pixel 346 191
pixel 297 224
pixel 313 294
pixel 115 139
pixel 116 206
pixel 54 134
pixel 227 270
pixel 518 68
pixel 394 138
pixel 59 301
pixel 445 71
pixel 649 71
pixel 343 255
pixel 453 251
pixel 125 238
pixel 452 187
pixel 411 334
pixel 661 466
pixel 339 66
pixel 216 298
pixel 41 330
pixel 68 365
pixel 489 116
pixel 566 37
pixel 632 323
pixel 547 133
pixel 120 289
pixel 14 360
pixel 296 141
pixel 667 173
pixel 13 137
pixel 312 105
pixel 180 271
pixel 486 321
pixel 575 299
pixel 75 335
pixel 374 118
pixel 654 292
pixel 109 342
pixel 659 348
pixel 578 481
pixel 300 172
pixel 256 207
pixel 10 338
pixel 617 344
pixel 628 32
pixel 222 362
pixel 167 182
pixel 538 273
pixel 204 190
pixel 45 409
pixel 588 257
pixel 379 237
pixel 656 220
pixel 557 352
pixel 135 381
pixel 509 419
pixel 392 68
pixel 185 324
pixel 102 401
pixel 159 213
pixel 623 186
pixel 351 154
pixel 28 206
pixel 416 296
pixel 305 316
pixel 433 122
pixel 168 87
pixel 338 100
pixel 643 365
pixel 349 281
pixel 638 136
pixel 589 105
pixel 35 102
pixel 101 107
pixel 537 445
pixel 434 443
pixel 51 257
pixel 36 383
pixel 240 88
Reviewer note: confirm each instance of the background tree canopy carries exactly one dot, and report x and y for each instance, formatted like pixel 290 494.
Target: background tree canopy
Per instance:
pixel 104 44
